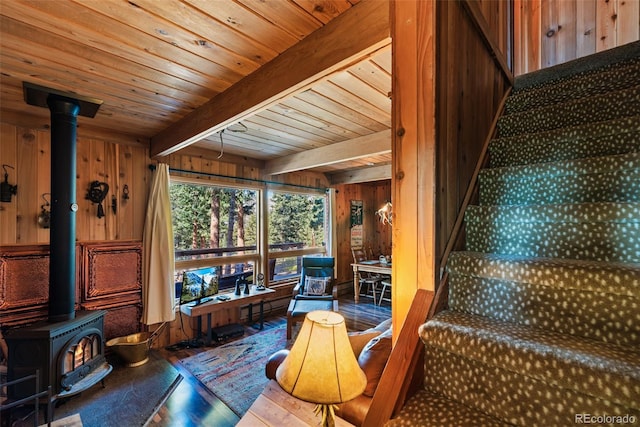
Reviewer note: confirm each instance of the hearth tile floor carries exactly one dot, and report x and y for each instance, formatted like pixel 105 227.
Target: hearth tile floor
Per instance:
pixel 130 396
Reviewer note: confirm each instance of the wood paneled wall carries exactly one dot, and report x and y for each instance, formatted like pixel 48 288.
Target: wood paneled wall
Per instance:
pixel 375 234
pixel 29 152
pixel 467 102
pixel 550 32
pixel 496 14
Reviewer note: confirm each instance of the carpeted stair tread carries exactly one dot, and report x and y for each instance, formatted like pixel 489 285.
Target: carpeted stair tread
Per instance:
pixel 563 360
pixel 518 399
pixel 595 63
pixel 617 186
pixel 429 410
pixel 583 86
pixel 594 179
pixel 599 301
pixel 588 231
pixel 560 213
pixel 584 166
pixel 612 105
pixel 611 137
pixel 616 278
pixel 596 315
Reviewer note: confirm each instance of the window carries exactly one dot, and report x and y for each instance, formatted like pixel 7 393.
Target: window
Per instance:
pixel 217 237
pixel 215 231
pixel 297 226
pixel 209 217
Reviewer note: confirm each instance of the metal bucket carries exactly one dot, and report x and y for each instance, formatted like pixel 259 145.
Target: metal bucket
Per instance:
pixel 133 349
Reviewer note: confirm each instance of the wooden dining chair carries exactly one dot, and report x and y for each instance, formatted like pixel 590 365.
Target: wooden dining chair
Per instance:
pixel 369 252
pixel 367 282
pixel 386 287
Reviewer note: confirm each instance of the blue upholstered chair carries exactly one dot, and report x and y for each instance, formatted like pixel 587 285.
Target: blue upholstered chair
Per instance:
pixel 315 291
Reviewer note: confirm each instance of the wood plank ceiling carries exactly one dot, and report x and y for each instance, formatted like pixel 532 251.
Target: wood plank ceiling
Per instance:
pixel 181 74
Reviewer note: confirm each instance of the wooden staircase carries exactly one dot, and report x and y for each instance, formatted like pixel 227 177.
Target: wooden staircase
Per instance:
pixel 543 319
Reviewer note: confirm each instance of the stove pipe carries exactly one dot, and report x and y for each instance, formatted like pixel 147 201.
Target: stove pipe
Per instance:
pixel 62 259
pixel 65 108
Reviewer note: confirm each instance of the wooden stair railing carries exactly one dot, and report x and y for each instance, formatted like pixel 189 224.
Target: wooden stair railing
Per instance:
pixel 402 365
pixel 442 292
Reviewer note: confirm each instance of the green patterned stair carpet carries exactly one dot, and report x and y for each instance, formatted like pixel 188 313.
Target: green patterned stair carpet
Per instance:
pixel 596 300
pixel 590 231
pixel 543 322
pixel 613 178
pixel 609 137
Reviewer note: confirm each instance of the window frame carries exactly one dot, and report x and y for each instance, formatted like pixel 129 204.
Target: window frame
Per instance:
pixel 223 260
pixel 260 259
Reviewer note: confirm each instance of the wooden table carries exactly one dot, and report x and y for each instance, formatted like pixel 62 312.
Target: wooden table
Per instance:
pixel 373 266
pixel 275 407
pixel 209 307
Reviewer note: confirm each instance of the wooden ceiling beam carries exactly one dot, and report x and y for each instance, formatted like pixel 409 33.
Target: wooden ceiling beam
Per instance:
pixel 361 31
pixel 374 173
pixel 357 148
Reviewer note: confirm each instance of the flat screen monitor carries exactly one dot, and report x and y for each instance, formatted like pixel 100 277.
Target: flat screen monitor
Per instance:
pixel 198 286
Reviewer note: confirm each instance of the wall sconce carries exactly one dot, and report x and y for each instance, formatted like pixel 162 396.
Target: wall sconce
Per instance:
pixel 7 190
pixel 386 213
pixel 44 219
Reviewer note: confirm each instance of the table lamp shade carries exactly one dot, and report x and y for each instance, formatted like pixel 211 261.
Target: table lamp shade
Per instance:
pixel 321 366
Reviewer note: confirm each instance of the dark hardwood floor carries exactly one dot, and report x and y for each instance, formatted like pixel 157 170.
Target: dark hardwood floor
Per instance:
pixel 192 404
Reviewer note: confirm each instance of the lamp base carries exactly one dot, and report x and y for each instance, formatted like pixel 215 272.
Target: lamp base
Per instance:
pixel 328 414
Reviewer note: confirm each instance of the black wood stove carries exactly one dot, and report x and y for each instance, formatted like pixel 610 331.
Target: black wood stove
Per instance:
pixel 68 349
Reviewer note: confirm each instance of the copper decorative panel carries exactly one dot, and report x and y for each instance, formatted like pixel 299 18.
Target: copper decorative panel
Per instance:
pixel 112 270
pixel 24 277
pixel 109 276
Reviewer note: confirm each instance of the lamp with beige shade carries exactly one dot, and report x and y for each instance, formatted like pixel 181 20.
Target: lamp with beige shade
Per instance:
pixel 321 367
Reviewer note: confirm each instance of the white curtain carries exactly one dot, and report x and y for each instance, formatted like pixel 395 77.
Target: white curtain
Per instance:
pixel 158 289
